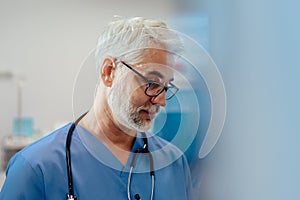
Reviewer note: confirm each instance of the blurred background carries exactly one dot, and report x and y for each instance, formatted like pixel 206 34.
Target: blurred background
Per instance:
pixel 254 43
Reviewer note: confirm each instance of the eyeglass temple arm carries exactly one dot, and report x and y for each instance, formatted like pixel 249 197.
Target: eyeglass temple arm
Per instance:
pixel 138 73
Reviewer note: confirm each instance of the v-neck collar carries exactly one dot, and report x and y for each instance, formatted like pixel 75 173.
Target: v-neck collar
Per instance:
pixel 99 151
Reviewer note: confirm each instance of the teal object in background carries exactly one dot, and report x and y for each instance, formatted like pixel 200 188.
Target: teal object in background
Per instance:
pixel 23 126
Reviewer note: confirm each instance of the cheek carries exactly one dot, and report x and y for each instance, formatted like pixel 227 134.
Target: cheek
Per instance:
pixel 138 97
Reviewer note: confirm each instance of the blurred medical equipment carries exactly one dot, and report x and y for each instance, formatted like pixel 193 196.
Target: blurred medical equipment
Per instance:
pixel 11 145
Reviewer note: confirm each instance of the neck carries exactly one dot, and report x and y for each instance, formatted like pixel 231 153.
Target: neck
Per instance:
pixel 103 127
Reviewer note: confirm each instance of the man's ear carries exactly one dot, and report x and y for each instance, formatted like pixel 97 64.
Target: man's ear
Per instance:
pixel 107 71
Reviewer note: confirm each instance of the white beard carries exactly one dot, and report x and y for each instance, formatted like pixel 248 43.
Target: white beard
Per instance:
pixel 125 113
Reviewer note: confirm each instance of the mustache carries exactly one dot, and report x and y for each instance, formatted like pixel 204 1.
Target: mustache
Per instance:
pixel 151 109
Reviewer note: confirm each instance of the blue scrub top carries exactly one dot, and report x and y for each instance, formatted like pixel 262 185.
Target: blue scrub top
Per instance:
pixel 39 170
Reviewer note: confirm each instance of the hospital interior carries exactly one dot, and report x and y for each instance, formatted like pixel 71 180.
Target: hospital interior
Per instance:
pixel 237 121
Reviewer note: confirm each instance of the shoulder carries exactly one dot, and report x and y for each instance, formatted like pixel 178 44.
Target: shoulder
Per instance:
pixel 44 149
pixel 30 167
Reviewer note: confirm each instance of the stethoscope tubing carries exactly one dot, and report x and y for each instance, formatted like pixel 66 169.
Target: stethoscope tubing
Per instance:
pixel 70 195
pixel 144 149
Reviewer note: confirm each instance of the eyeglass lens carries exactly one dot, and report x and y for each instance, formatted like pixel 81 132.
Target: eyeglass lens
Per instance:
pixel 154 89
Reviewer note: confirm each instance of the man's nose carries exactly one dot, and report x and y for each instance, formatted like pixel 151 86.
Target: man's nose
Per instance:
pixel 160 99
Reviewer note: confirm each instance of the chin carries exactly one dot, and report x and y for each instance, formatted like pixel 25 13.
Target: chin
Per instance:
pixel 146 126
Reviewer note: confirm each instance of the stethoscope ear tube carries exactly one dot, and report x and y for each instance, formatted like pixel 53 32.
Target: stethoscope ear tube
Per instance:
pixel 70 195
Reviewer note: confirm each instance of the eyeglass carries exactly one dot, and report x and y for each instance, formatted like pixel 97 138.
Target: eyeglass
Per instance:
pixel 154 88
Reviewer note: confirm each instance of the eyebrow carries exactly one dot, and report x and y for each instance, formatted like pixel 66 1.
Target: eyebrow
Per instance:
pixel 156 73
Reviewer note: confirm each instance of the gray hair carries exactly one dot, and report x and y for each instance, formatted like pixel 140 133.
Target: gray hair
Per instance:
pixel 126 39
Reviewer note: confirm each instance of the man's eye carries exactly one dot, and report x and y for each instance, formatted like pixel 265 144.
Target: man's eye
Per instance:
pixel 154 86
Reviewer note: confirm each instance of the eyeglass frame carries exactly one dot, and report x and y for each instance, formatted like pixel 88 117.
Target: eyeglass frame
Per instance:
pixel 149 82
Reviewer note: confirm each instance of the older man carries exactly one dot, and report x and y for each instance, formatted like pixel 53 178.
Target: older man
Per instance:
pixel 111 154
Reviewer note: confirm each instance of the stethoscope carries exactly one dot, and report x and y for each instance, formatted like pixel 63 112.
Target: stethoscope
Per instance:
pixel 144 149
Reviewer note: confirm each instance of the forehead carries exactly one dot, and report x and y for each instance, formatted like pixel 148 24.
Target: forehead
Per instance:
pixel 157 63
pixel 160 56
pixel 156 70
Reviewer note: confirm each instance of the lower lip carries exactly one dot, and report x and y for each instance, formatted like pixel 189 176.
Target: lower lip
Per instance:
pixel 151 115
